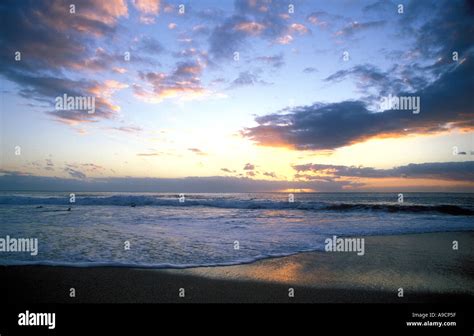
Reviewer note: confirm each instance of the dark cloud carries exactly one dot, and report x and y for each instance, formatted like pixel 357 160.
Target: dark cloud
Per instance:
pixel 49 36
pixel 74 173
pixel 457 171
pixel 249 166
pixel 197 151
pixel 355 27
pixel 13 180
pixel 150 45
pixel 187 69
pixel 91 167
pixel 22 181
pixel 276 61
pixel 12 173
pixel 270 174
pixel 309 70
pixel 267 14
pixel 43 87
pixel 369 72
pixel 185 79
pixel 51 41
pixel 444 87
pixel 449 29
pixel 445 103
pixel 49 165
pixel 247 78
pixel 46 88
pixel 397 79
pixel 251 18
pixel 225 40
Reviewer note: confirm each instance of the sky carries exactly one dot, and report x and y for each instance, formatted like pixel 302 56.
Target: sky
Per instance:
pixel 244 95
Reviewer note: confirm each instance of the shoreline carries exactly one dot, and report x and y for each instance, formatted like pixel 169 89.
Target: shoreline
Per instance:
pixel 423 264
pixel 158 267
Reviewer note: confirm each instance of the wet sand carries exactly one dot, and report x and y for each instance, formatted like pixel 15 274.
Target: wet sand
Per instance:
pixel 424 265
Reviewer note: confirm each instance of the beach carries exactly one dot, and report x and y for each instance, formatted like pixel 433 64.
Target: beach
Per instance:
pixel 424 265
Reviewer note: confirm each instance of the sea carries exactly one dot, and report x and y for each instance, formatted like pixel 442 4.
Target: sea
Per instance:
pixel 164 230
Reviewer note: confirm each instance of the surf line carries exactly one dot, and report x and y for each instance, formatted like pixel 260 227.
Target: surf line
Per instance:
pixel 9 244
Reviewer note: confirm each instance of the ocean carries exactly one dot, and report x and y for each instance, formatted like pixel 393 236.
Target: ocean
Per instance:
pixel 159 231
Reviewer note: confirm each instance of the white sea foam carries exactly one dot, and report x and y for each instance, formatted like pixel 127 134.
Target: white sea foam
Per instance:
pixel 201 232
